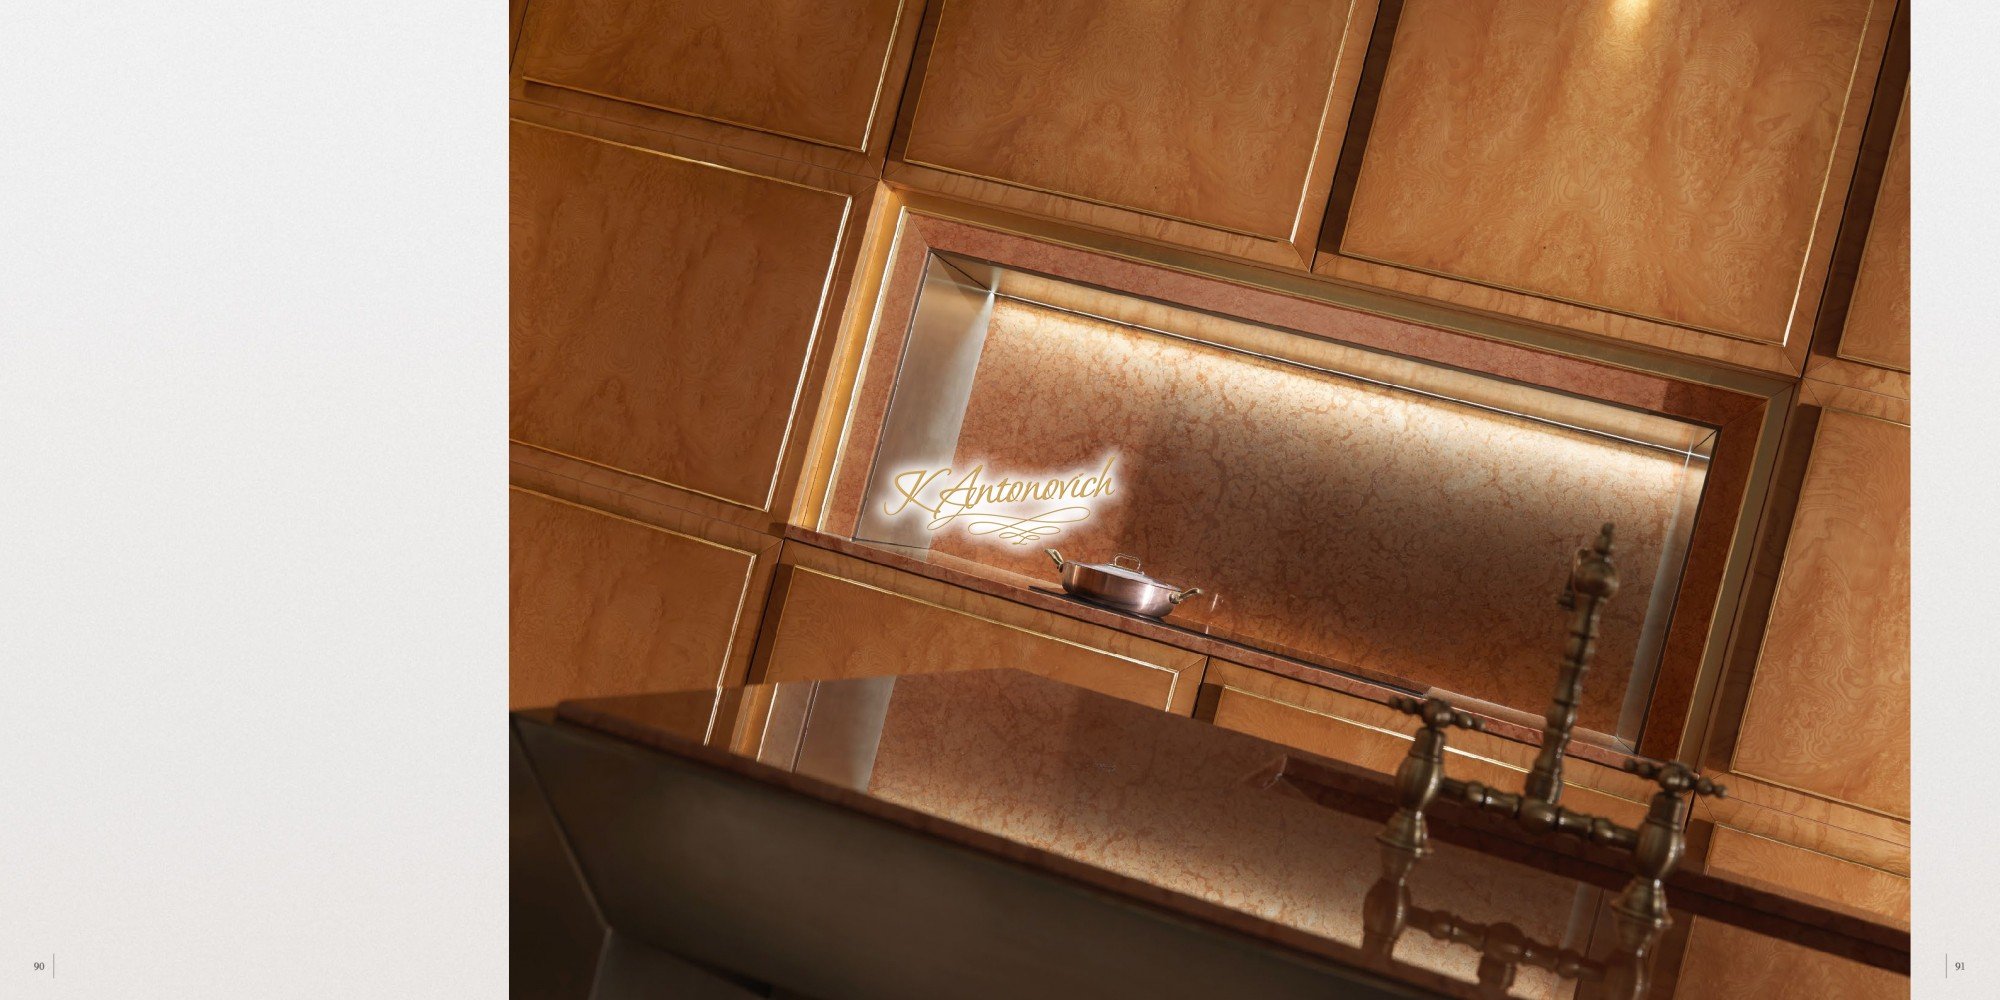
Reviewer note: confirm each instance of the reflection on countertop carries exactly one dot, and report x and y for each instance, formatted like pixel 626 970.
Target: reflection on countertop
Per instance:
pixel 1233 830
pixel 1191 633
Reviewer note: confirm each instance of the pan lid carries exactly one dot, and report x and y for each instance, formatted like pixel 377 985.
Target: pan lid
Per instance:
pixel 1126 568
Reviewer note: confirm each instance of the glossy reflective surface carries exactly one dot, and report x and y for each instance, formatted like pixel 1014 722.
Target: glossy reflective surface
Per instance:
pixel 1210 815
pixel 1369 512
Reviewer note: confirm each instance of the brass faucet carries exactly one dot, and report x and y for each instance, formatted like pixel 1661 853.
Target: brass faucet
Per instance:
pixel 1656 844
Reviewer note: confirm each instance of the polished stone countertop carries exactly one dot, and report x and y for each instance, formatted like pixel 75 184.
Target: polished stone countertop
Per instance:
pixel 1225 828
pixel 1191 635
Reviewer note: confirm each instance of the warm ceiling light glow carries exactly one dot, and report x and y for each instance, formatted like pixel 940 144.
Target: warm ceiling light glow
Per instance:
pixel 1630 15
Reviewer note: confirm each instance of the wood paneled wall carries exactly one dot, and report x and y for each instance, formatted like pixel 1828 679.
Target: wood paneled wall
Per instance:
pixel 814 80
pixel 1814 717
pixel 1735 852
pixel 1660 185
pixel 1211 123
pixel 664 310
pixel 1725 962
pixel 834 617
pixel 1834 676
pixel 689 180
pixel 1761 968
pixel 802 68
pixel 1377 737
pixel 1878 316
pixel 604 605
pixel 1658 172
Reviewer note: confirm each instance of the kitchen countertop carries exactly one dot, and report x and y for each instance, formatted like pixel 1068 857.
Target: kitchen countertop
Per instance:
pixel 1210 824
pixel 1299 665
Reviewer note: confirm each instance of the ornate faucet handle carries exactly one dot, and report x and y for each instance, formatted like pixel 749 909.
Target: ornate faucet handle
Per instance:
pixel 1591 572
pixel 1437 713
pixel 1674 776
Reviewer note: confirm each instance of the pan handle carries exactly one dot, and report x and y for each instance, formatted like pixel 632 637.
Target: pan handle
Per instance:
pixel 1057 556
pixel 1176 599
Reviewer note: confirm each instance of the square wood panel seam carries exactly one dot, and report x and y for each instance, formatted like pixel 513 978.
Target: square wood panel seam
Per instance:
pixel 1787 567
pixel 868 127
pixel 635 497
pixel 919 79
pixel 1885 129
pixel 1830 195
pixel 743 590
pixel 1726 608
pixel 1173 674
pixel 801 386
pixel 1226 688
pixel 1740 831
pixel 741 144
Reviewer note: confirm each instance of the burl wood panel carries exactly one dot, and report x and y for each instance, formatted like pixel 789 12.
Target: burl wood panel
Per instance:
pixel 1663 160
pixel 1392 532
pixel 1724 962
pixel 1737 853
pixel 1207 111
pixel 663 310
pixel 601 605
pixel 1878 316
pixel 1829 704
pixel 808 69
pixel 1376 737
pixel 824 627
pixel 1866 838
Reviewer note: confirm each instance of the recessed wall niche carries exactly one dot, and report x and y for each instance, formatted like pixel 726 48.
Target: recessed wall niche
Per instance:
pixel 1369 512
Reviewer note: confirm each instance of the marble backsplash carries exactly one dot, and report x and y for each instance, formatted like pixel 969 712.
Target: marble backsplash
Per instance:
pixel 1389 530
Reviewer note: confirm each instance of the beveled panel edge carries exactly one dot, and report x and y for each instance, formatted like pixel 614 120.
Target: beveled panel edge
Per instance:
pixel 517 15
pixel 532 94
pixel 1750 793
pixel 754 560
pixel 1840 396
pixel 1712 746
pixel 526 461
pixel 1859 376
pixel 1786 356
pixel 1173 675
pixel 834 289
pixel 1226 676
pixel 1713 571
pixel 918 179
pixel 864 157
pixel 687 149
pixel 1740 773
pixel 614 515
pixel 1575 320
pixel 613 494
pixel 1737 831
pixel 1293 249
pixel 852 563
pixel 1887 119
pixel 1390 304
pixel 634 499
pixel 1756 808
pixel 834 411
pixel 1730 763
pixel 1226 687
pixel 1727 608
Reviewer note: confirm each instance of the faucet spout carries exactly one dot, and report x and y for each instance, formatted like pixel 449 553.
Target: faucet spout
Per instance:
pixel 1592 581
